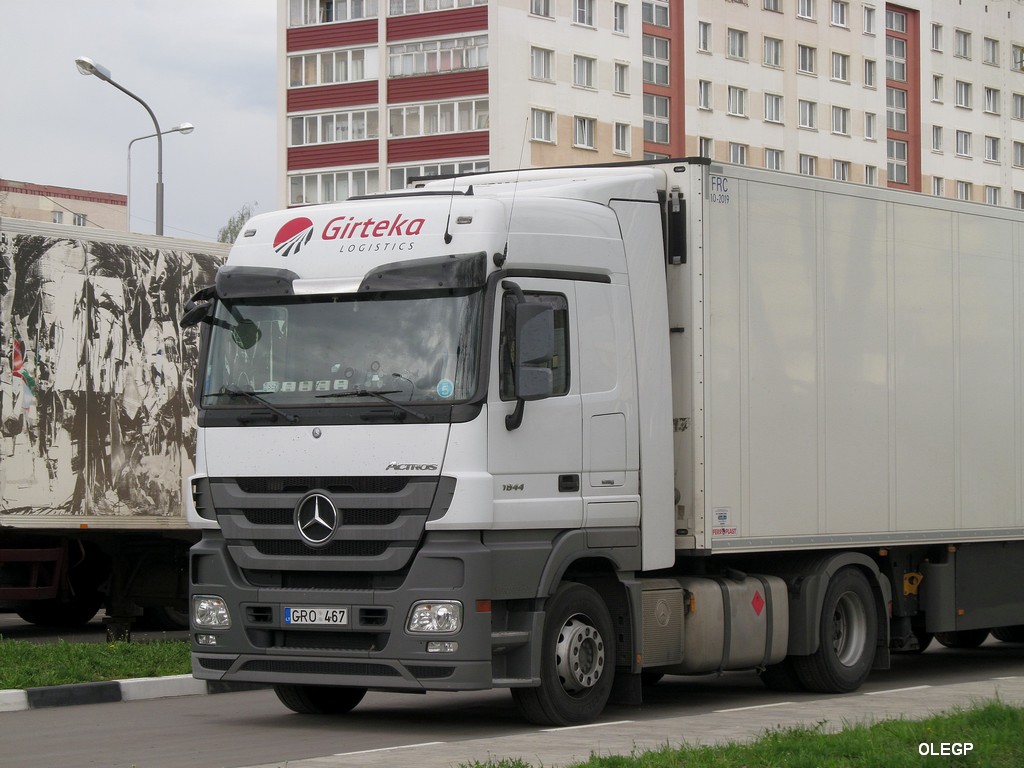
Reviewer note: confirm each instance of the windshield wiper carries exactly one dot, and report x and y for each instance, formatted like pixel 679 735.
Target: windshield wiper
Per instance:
pixel 234 391
pixel 383 396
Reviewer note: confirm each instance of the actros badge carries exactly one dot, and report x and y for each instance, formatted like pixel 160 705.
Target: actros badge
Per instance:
pixel 316 517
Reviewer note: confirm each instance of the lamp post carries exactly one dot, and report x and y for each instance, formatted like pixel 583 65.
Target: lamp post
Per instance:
pixel 89 67
pixel 184 129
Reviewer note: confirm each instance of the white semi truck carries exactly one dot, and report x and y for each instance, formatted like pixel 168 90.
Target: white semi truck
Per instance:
pixel 96 421
pixel 565 431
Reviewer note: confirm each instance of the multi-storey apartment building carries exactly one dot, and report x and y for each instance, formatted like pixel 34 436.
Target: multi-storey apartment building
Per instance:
pixel 924 95
pixel 63 205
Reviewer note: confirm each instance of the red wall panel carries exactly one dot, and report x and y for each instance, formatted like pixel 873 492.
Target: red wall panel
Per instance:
pixel 332 155
pixel 331 96
pixel 437 23
pixel 439 147
pixel 331 35
pixel 434 87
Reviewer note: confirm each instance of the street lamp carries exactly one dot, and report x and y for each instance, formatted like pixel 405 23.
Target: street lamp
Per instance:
pixel 184 129
pixel 89 67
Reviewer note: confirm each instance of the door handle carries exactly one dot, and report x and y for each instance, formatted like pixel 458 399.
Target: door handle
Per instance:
pixel 568 483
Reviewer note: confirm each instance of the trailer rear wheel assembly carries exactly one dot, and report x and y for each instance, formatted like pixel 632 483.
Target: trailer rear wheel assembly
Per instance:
pixel 847 633
pixel 319 699
pixel 964 638
pixel 577 660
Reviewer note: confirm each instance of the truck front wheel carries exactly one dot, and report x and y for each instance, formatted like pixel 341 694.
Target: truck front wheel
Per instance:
pixel 848 634
pixel 319 699
pixel 577 660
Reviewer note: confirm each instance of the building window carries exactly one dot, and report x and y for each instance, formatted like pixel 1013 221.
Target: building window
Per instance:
pixel 583 12
pixel 656 122
pixel 542 122
pixel 808 165
pixel 841 170
pixel 621 131
pixel 438 117
pixel 773 159
pixel 806 57
pixel 656 12
pixel 399 176
pixel 992 149
pixel 737 44
pixel 963 143
pixel 737 153
pixel 964 190
pixel 405 7
pixel 870 175
pixel 936 138
pixel 938 186
pixel 541 64
pixel 347 66
pixel 583 132
pixel 704 94
pixel 962 44
pixel 620 18
pixel 704 36
pixel 79 220
pixel 937 88
pixel 57 217
pixel 896 109
pixel 1018 106
pixel 870 119
pixel 352 125
pixel 841 67
pixel 896 168
pixel 840 13
pixel 540 8
pixel 992 195
pixel 775 6
pixel 1018 199
pixel 992 100
pixel 737 104
pixel 805 9
pixel 991 51
pixel 434 56
pixel 937 37
pixel 841 121
pixel 896 21
pixel 583 71
pixel 773 108
pixel 963 94
pixel 655 52
pixel 315 188
pixel 807 114
pixel 1018 155
pixel 706 147
pixel 869 20
pixel 305 12
pixel 772 52
pixel 896 59
pixel 621 78
pixel 870 73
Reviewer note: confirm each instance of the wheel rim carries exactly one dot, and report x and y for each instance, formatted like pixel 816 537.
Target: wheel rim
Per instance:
pixel 849 629
pixel 579 654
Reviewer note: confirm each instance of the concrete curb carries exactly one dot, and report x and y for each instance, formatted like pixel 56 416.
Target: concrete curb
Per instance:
pixel 115 690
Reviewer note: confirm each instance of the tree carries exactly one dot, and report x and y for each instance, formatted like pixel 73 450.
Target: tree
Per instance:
pixel 230 231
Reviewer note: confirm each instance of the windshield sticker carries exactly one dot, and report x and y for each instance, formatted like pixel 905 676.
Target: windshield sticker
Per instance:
pixel 445 388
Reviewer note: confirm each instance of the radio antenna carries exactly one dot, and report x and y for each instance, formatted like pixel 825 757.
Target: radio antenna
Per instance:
pixel 515 188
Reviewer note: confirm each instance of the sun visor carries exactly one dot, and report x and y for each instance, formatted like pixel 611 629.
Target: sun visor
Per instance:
pixel 452 272
pixel 249 282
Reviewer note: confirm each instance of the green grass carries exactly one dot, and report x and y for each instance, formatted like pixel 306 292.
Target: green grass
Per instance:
pixel 993 728
pixel 30 665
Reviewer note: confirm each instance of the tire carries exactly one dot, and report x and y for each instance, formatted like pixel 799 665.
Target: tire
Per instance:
pixel 319 699
pixel 59 613
pixel 848 634
pixel 577 665
pixel 964 638
pixel 782 676
pixel 164 618
pixel 1014 634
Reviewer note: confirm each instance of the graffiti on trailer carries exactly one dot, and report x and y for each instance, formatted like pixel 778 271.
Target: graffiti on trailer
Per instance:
pixel 95 409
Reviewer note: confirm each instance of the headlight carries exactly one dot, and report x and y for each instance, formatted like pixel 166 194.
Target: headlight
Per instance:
pixel 427 616
pixel 210 611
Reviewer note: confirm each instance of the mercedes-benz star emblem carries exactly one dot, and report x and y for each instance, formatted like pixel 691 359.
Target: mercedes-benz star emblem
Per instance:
pixel 316 517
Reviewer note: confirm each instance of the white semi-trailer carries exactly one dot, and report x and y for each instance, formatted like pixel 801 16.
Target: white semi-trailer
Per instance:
pixel 96 422
pixel 567 430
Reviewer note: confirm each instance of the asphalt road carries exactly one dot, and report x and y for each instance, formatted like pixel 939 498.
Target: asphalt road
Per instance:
pixel 252 728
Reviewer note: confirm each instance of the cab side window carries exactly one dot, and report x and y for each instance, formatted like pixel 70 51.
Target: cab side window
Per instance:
pixel 559 362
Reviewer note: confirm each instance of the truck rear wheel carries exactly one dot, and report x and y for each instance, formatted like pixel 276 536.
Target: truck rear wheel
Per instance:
pixel 1014 634
pixel 577 660
pixel 319 699
pixel 847 632
pixel 964 638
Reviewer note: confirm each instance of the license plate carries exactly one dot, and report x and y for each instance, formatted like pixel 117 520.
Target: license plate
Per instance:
pixel 330 615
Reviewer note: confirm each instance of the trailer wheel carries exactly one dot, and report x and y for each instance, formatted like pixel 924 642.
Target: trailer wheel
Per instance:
pixel 1014 634
pixel 319 699
pixel 964 638
pixel 848 633
pixel 577 660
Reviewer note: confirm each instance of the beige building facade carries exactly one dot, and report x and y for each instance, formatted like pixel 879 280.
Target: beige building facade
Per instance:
pixel 63 205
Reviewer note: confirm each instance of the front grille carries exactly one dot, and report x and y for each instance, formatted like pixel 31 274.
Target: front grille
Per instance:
pixel 431 673
pixel 218 665
pixel 296 667
pixel 303 485
pixel 348 516
pixel 276 548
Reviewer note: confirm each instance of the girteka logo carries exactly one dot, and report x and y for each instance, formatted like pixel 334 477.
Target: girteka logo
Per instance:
pixel 292 236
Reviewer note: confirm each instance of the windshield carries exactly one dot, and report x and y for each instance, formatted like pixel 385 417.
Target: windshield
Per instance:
pixel 345 350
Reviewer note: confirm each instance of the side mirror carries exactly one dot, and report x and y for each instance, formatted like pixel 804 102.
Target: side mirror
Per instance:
pixel 199 307
pixel 535 346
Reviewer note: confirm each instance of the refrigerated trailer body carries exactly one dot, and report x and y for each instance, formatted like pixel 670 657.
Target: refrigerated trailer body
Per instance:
pixel 96 421
pixel 566 430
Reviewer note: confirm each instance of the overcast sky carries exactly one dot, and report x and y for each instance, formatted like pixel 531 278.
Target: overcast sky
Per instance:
pixel 206 62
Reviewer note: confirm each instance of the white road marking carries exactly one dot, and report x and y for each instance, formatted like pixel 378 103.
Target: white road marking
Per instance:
pixel 580 727
pixel 758 706
pixel 389 749
pixel 897 690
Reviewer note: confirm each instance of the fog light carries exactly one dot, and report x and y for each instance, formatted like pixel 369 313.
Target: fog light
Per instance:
pixel 210 611
pixel 437 646
pixel 427 616
pixel 206 639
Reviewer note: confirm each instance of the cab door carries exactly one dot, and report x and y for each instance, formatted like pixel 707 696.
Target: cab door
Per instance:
pixel 537 466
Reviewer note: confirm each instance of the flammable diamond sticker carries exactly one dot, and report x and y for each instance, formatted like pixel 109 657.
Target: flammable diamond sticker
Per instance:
pixel 758 602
